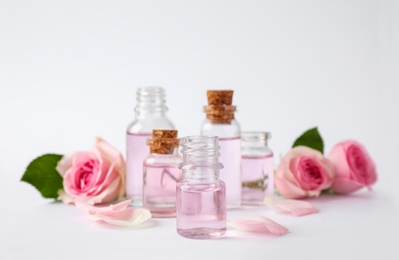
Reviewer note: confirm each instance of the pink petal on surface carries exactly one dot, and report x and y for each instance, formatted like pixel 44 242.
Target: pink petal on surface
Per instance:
pixel 294 207
pixel 258 224
pixel 128 217
pixel 90 209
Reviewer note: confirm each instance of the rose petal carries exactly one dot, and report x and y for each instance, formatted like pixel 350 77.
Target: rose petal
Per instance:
pixel 294 207
pixel 110 153
pixel 344 186
pixel 128 217
pixel 109 193
pixel 289 190
pixel 99 210
pixel 113 155
pixel 338 156
pixel 258 224
pixel 65 198
pixel 66 162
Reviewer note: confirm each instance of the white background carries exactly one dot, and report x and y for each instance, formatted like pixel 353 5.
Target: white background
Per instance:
pixel 69 71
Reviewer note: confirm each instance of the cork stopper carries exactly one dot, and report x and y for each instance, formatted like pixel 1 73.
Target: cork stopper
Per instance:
pixel 163 141
pixel 219 109
pixel 220 97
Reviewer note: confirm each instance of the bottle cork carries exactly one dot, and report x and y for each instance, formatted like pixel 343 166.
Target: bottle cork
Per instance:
pixel 219 109
pixel 163 141
pixel 220 97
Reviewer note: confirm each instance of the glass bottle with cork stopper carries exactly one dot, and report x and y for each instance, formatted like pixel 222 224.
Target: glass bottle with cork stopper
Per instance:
pixel 150 114
pixel 220 121
pixel 161 173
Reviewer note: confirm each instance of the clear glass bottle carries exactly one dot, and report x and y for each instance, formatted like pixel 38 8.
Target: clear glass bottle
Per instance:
pixel 220 122
pixel 161 173
pixel 257 168
pixel 201 196
pixel 150 114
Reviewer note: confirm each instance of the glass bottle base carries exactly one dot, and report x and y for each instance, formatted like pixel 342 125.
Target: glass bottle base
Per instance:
pixel 201 233
pixel 161 211
pixel 233 206
pixel 136 201
pixel 254 202
pixel 163 214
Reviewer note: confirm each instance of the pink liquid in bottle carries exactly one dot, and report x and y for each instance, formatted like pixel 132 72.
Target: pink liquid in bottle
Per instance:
pixel 136 151
pixel 201 210
pixel 230 156
pixel 257 178
pixel 160 190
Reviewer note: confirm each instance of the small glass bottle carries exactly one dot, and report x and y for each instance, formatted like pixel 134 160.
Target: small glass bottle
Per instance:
pixel 161 173
pixel 201 196
pixel 220 122
pixel 150 114
pixel 257 168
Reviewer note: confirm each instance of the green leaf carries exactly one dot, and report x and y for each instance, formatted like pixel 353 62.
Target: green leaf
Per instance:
pixel 41 173
pixel 311 138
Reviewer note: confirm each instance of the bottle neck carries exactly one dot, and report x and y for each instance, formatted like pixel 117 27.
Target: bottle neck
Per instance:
pixel 200 159
pixel 151 102
pixel 254 139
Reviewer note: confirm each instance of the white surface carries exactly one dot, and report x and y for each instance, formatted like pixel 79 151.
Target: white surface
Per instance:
pixel 69 71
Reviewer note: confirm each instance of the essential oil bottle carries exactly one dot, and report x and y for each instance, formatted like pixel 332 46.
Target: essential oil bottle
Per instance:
pixel 220 122
pixel 161 173
pixel 150 114
pixel 201 196
pixel 257 168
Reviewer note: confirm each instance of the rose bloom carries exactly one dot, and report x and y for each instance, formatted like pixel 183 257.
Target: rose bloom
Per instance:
pixel 354 167
pixel 303 172
pixel 92 177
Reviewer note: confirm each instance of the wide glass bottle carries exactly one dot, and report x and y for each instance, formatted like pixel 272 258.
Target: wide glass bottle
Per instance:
pixel 150 114
pixel 257 168
pixel 161 173
pixel 220 122
pixel 201 196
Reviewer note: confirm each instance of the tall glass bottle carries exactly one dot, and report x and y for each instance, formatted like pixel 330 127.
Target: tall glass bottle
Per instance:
pixel 257 168
pixel 161 173
pixel 220 122
pixel 150 114
pixel 201 196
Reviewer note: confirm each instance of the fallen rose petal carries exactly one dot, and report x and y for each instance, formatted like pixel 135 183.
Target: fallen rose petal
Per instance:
pixel 90 209
pixel 128 217
pixel 294 207
pixel 258 224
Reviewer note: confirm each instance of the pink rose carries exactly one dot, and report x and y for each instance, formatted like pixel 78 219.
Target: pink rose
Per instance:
pixel 303 172
pixel 96 176
pixel 354 167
